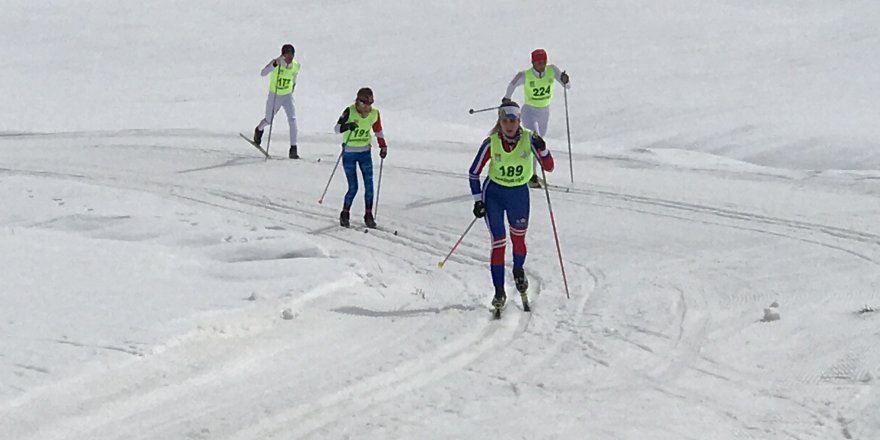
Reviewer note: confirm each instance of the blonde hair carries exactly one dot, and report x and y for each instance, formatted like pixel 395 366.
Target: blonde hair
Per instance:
pixel 496 128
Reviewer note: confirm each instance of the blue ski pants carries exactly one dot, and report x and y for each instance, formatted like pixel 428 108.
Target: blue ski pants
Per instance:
pixel 350 163
pixel 514 202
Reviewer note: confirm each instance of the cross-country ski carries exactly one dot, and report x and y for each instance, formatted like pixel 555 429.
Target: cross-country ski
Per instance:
pixel 255 145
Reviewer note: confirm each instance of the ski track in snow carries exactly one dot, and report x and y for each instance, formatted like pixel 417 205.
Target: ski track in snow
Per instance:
pixel 171 283
pixel 656 359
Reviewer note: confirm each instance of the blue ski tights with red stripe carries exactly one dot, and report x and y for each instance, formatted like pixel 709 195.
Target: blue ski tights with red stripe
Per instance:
pixel 514 202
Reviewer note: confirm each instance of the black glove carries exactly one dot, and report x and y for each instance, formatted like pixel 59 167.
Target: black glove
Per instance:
pixel 505 100
pixel 347 126
pixel 564 78
pixel 539 143
pixel 479 209
pixel 383 151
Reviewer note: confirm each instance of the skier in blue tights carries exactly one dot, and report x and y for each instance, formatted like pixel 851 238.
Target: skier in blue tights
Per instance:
pixel 357 124
pixel 509 154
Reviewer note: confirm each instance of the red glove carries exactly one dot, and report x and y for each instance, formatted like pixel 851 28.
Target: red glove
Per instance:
pixel 383 151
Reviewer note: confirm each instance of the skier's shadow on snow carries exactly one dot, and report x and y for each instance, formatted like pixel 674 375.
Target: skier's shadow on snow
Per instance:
pixel 238 161
pixel 360 311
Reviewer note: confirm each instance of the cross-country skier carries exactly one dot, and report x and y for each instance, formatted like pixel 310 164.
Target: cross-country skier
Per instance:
pixel 538 87
pixel 508 153
pixel 357 124
pixel 282 81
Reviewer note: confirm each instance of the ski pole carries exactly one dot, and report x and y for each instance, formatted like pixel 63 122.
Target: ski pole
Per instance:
pixel 378 189
pixel 553 223
pixel 321 200
pixel 274 95
pixel 347 137
pixel 472 111
pixel 441 263
pixel 568 134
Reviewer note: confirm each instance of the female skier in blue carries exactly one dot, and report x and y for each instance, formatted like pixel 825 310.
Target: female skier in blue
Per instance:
pixel 359 120
pixel 509 154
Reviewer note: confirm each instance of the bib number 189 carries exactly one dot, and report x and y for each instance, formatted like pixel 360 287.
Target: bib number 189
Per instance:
pixel 511 171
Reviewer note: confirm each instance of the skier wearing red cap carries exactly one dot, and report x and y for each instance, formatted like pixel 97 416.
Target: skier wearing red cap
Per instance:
pixel 538 87
pixel 509 154
pixel 283 72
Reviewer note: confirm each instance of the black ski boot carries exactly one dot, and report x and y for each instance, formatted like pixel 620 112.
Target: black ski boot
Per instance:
pixel 522 286
pixel 258 135
pixel 292 153
pixel 343 219
pixel 370 221
pixel 499 301
pixel 519 278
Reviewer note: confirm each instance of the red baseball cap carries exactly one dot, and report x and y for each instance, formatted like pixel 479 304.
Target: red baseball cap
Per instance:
pixel 539 55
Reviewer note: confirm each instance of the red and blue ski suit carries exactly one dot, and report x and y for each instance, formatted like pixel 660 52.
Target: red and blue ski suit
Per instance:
pixel 499 199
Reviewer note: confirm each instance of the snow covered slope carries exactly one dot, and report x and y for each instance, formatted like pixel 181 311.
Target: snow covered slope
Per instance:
pixel 159 279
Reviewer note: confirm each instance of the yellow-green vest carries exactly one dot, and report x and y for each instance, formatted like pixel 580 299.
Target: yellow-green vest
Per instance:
pixel 514 168
pixel 281 82
pixel 363 134
pixel 539 91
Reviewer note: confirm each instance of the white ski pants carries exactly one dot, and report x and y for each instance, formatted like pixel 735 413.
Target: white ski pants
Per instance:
pixel 536 119
pixel 285 101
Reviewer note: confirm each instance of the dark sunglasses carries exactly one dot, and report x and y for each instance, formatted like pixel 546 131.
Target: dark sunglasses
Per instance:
pixel 365 101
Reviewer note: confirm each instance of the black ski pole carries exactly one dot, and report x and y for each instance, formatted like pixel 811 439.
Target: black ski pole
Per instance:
pixel 321 200
pixel 568 134
pixel 274 95
pixel 472 111
pixel 378 189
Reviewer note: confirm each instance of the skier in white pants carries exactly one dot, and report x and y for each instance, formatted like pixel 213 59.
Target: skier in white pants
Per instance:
pixel 283 72
pixel 538 87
